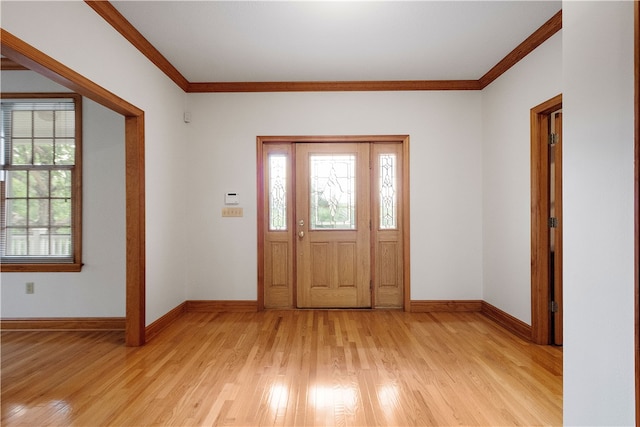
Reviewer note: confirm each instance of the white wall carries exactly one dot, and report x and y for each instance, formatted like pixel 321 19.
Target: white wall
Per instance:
pixel 99 290
pixel 95 50
pixel 446 181
pixel 598 213
pixel 506 159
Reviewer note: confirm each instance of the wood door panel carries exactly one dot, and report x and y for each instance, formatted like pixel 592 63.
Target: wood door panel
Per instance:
pixel 319 263
pixel 346 259
pixel 279 255
pixel 389 278
pixel 277 276
pixel 334 298
pixel 389 260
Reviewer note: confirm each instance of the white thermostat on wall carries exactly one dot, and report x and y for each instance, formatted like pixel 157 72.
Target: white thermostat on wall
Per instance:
pixel 231 199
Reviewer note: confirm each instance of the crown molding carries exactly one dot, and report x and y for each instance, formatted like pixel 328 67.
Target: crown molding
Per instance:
pixel 7 64
pixel 335 86
pixel 549 28
pixel 110 14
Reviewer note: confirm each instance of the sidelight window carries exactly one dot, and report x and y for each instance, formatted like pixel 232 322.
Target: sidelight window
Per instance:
pixel 388 192
pixel 278 192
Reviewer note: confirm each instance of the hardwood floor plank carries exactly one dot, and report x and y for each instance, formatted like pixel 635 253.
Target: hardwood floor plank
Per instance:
pixel 285 368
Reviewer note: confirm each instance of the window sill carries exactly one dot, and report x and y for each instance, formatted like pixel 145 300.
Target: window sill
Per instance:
pixel 41 268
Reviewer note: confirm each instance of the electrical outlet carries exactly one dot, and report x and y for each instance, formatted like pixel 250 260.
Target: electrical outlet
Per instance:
pixel 237 212
pixel 30 288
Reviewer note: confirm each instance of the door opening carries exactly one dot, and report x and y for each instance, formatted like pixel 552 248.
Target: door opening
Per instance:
pixel 555 228
pixel 333 222
pixel 31 58
pixel 546 222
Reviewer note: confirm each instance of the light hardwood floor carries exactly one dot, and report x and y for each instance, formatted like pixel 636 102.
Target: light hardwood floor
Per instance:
pixel 292 368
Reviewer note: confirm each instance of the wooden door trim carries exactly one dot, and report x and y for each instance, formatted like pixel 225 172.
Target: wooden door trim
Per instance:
pixel 261 141
pixel 558 254
pixel 637 202
pixel 406 232
pixel 35 60
pixel 540 320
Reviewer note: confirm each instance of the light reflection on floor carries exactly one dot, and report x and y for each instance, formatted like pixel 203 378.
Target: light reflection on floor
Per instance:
pixel 278 396
pixel 322 396
pixel 60 411
pixel 388 395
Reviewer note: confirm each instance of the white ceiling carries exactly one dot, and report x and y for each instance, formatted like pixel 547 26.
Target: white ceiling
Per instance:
pixel 262 41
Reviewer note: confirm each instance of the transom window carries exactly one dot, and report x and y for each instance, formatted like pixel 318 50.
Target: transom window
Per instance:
pixel 41 182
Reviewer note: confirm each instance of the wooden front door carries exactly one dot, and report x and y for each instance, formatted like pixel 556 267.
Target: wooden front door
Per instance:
pixel 333 221
pixel 333 225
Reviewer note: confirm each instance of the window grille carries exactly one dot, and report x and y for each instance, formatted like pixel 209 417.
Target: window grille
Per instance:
pixel 40 180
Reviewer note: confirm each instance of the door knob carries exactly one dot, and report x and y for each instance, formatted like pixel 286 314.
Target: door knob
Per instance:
pixel 300 233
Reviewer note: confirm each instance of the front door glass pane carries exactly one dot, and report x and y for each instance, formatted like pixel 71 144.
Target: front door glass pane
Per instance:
pixel 388 196
pixel 277 192
pixel 332 192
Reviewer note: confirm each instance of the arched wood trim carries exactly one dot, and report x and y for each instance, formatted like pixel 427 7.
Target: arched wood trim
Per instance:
pixel 30 57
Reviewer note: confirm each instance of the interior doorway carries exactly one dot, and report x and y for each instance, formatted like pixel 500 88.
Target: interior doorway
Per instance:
pixel 35 60
pixel 333 222
pixel 546 222
pixel 555 226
